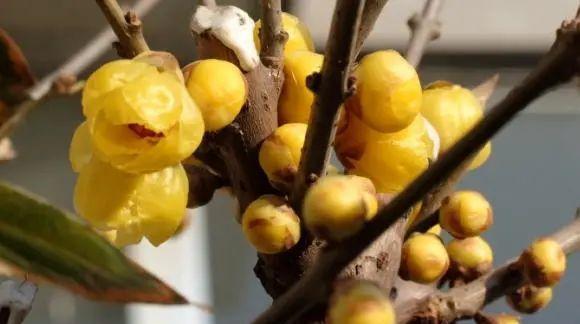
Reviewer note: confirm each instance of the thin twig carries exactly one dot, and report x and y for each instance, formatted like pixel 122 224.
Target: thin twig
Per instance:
pixel 424 28
pixel 73 66
pixel 127 27
pixel 331 87
pixel 370 14
pixel 471 298
pixel 553 70
pixel 272 36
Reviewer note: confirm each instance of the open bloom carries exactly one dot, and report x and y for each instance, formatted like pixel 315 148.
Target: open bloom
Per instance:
pixel 140 119
pixel 129 206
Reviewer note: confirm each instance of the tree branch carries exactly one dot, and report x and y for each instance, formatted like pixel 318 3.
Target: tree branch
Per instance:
pixel 468 300
pixel 554 69
pixel 331 87
pixel 424 28
pixel 72 67
pixel 127 27
pixel 370 14
pixel 272 36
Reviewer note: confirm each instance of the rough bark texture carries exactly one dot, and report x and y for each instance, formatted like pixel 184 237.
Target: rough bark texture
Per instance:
pixel 237 144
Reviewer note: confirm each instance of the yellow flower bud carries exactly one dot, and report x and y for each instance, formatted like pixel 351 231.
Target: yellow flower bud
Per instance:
pixel 335 207
pixel 470 257
pixel 529 299
pixel 219 89
pixel 271 225
pixel 390 160
pixel 388 92
pixel 296 99
pixel 298 34
pixel 280 154
pixel 453 111
pixel 544 262
pixel 130 206
pixel 360 302
pixel 465 214
pixel 424 259
pixel 140 119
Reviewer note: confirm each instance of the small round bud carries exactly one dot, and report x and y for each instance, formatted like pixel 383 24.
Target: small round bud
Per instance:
pixel 544 262
pixel 465 214
pixel 424 259
pixel 219 89
pixel 470 257
pixel 271 225
pixel 388 92
pixel 360 302
pixel 529 299
pixel 337 206
pixel 280 154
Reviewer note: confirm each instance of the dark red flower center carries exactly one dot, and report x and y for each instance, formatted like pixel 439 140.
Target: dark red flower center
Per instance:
pixel 143 131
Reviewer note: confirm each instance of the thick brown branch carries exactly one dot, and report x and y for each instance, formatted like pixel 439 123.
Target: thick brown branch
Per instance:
pixel 272 36
pixel 424 28
pixel 553 70
pixel 468 300
pixel 127 27
pixel 203 182
pixel 233 151
pixel 370 14
pixel 331 90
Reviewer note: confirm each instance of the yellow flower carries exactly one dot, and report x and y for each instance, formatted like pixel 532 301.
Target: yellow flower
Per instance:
pixel 299 37
pixel 390 160
pixel 140 119
pixel 453 111
pixel 129 206
pixel 219 89
pixel 388 92
pixel 296 99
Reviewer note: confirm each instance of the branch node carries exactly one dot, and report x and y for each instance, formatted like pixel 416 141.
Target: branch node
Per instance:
pixel 313 82
pixel 350 87
pixel 133 22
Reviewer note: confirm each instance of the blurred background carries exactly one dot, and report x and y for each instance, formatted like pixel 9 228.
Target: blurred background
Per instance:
pixel 531 178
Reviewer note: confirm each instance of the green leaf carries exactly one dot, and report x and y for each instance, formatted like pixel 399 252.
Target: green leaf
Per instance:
pixel 47 244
